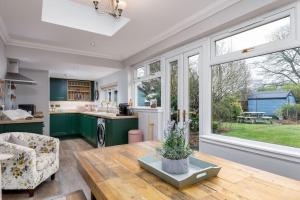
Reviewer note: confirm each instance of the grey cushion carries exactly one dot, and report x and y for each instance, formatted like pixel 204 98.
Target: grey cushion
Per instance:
pixel 14 140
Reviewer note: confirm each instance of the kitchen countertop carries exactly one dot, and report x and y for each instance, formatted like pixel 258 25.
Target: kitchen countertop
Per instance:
pixel 22 121
pixel 97 114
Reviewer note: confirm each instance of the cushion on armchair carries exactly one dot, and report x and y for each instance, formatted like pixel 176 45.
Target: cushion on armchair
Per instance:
pixel 14 140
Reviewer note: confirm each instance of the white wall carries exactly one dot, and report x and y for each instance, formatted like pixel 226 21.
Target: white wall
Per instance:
pixel 267 163
pixel 121 78
pixel 36 94
pixel 3 64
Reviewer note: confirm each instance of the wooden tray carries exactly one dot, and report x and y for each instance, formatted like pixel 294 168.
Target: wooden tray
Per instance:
pixel 199 170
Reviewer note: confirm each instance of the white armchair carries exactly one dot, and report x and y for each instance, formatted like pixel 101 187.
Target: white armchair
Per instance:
pixel 30 165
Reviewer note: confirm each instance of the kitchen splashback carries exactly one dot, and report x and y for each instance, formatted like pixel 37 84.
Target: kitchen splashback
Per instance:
pixel 70 105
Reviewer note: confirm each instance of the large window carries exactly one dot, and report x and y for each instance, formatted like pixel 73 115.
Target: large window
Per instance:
pixel 258 98
pixel 148 85
pixel 273 31
pixel 149 90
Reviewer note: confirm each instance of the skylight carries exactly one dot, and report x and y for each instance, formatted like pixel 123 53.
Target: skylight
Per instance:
pixel 79 16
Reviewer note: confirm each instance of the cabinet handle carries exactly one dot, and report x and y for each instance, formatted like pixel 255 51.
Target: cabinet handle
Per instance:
pixel 183 115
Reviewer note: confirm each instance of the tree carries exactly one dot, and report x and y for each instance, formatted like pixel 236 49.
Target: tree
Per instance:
pixel 151 89
pixel 282 67
pixel 230 86
pixel 230 79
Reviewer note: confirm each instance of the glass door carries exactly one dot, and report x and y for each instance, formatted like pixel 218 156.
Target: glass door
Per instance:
pixel 183 92
pixel 174 79
pixel 191 95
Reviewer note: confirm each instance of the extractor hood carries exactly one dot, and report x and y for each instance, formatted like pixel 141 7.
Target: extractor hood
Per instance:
pixel 13 75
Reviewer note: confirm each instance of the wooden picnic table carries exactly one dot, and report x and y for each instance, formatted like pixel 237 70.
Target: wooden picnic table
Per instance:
pixel 253 117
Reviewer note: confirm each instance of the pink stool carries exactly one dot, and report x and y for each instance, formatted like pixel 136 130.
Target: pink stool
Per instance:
pixel 135 136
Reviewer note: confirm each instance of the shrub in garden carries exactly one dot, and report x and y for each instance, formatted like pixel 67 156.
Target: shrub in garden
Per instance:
pixel 289 112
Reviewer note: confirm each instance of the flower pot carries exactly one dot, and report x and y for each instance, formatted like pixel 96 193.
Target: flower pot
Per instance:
pixel 175 166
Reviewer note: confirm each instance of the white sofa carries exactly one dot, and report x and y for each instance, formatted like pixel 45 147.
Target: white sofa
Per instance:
pixel 30 165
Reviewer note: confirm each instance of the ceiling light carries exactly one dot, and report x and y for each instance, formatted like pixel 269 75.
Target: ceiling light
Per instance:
pixel 93 44
pixel 111 7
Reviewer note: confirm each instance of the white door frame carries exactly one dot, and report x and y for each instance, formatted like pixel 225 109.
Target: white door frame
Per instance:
pixel 179 59
pixel 183 82
pixel 185 92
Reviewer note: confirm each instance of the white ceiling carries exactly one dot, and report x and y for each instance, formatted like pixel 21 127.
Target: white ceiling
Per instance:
pixel 151 21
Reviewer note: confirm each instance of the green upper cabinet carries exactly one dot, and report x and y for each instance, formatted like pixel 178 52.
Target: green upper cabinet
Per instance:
pixel 58 89
pixel 71 90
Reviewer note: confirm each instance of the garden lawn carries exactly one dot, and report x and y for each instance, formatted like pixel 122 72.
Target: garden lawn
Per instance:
pixel 288 135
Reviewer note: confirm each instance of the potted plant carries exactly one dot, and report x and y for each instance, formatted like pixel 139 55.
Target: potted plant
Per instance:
pixel 175 150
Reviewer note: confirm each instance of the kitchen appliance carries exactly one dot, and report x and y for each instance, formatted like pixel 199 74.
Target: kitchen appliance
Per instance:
pixel 13 75
pixel 30 108
pixel 101 132
pixel 125 110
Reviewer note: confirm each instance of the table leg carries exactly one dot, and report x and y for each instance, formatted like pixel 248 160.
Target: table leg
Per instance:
pixel 93 197
pixel 0 183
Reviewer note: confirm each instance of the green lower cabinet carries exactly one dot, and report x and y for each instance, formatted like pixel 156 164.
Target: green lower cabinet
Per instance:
pixel 2 129
pixel 58 126
pixel 116 130
pixel 26 127
pixel 88 128
pixel 74 124
pixel 62 125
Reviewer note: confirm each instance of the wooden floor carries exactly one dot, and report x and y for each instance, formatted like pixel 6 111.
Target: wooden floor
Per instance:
pixel 67 179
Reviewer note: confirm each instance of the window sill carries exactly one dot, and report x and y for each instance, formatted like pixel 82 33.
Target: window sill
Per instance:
pixel 271 150
pixel 148 109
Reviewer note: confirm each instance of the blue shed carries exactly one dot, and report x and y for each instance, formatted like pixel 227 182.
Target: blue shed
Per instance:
pixel 270 102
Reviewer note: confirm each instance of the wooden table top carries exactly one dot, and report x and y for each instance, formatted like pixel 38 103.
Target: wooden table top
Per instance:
pixel 114 173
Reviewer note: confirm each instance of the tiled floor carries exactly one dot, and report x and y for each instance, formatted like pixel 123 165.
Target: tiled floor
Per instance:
pixel 67 179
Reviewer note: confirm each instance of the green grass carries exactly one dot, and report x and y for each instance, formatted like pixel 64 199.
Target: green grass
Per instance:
pixel 288 135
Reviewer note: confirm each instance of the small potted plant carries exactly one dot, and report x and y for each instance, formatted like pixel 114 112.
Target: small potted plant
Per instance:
pixel 175 150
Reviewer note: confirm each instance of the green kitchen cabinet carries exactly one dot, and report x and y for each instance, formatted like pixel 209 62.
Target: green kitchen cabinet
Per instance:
pixel 74 124
pixel 58 125
pixel 58 89
pixel 2 130
pixel 35 127
pixel 116 130
pixel 83 125
pixel 64 124
pixel 93 129
pixel 88 128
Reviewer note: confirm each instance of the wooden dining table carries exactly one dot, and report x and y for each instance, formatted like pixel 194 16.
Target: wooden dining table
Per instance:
pixel 114 173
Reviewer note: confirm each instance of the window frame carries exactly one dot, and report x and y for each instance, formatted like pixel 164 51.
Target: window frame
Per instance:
pixel 261 148
pixel 208 60
pixel 290 42
pixel 147 77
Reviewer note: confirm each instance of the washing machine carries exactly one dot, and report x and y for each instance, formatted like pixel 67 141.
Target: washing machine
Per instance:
pixel 101 132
